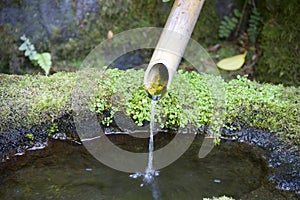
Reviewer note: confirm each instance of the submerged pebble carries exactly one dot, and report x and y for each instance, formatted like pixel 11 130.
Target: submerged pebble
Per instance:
pixel 217 180
pixel 38 146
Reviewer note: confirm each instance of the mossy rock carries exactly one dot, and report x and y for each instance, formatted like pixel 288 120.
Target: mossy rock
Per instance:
pixel 190 100
pixel 35 99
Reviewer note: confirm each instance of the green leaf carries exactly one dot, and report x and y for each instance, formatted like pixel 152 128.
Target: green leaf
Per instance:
pixel 236 12
pixel 44 60
pixel 23 37
pixel 232 63
pixel 22 47
pixel 27 53
pixel 31 47
pixel 30 136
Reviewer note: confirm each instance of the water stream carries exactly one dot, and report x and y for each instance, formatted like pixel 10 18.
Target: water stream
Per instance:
pixel 150 172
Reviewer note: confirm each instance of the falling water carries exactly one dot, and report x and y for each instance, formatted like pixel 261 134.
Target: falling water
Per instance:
pixel 150 172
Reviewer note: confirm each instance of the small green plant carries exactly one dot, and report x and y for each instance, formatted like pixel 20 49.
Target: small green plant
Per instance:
pixel 30 136
pixel 228 24
pixel 52 129
pixel 217 140
pixel 42 59
pixel 102 105
pixel 174 110
pixel 189 101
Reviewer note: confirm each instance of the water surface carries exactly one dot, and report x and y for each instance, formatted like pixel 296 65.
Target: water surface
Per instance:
pixel 66 170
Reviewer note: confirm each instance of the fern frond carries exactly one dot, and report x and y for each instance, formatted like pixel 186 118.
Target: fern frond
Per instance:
pixel 228 24
pixel 254 25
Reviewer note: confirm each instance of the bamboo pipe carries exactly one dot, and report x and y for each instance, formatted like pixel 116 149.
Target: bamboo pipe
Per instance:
pixel 171 46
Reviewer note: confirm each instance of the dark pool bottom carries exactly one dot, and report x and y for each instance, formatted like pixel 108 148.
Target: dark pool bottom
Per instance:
pixel 65 170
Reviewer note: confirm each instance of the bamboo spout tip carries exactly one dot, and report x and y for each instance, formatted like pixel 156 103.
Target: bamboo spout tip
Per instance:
pixel 156 81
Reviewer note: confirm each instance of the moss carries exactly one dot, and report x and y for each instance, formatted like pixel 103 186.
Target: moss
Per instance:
pixel 280 44
pixel 189 100
pixel 264 106
pixel 34 99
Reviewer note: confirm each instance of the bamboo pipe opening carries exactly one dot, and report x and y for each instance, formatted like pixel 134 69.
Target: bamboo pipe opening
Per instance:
pixel 157 81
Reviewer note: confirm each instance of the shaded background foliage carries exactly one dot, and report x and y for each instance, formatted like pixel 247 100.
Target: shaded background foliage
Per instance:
pixel 280 42
pixel 70 29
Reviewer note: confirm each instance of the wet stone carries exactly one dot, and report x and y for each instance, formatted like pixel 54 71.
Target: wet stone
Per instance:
pixel 284 162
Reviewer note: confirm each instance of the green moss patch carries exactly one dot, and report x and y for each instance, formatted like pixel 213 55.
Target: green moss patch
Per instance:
pixel 189 100
pixel 32 100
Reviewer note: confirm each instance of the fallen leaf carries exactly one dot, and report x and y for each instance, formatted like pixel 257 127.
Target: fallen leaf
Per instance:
pixel 232 63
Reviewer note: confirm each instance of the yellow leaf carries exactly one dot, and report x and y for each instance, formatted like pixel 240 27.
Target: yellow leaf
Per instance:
pixel 232 63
